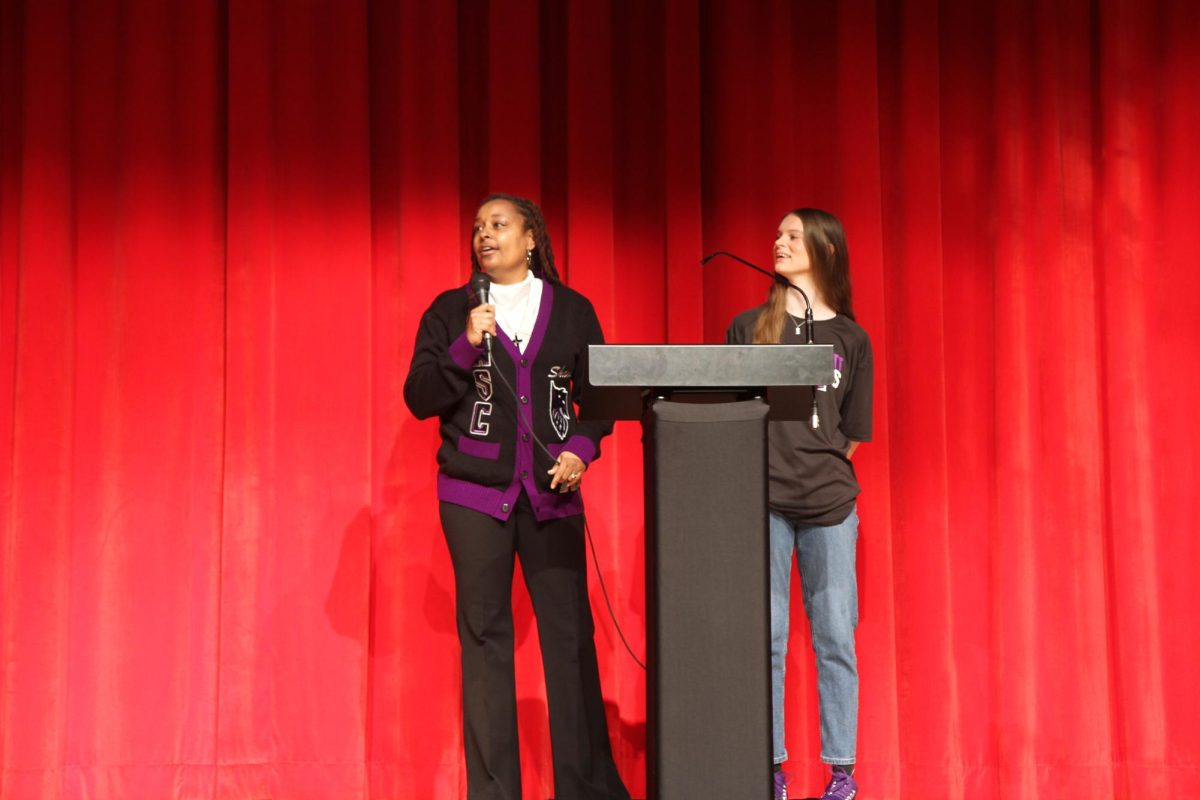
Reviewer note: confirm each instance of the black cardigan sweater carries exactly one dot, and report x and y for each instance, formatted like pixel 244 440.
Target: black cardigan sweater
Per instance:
pixel 487 455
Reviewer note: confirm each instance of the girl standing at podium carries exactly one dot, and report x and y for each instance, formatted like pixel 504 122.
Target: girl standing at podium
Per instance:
pixel 510 464
pixel 812 487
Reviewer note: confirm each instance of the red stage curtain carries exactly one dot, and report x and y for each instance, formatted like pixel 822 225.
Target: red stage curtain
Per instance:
pixel 221 573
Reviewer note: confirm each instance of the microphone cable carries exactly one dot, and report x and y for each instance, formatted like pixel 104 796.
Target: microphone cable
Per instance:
pixel 528 426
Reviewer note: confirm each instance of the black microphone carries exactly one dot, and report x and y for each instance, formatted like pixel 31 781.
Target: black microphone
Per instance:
pixel 808 313
pixel 775 276
pixel 481 285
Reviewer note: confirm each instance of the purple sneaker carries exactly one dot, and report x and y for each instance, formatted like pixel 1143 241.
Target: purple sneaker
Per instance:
pixel 780 786
pixel 841 786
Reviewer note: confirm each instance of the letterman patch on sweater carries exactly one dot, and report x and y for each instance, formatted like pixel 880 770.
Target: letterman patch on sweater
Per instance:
pixel 483 389
pixel 560 401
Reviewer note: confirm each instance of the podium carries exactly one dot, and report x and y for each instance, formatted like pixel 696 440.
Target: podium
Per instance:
pixel 704 412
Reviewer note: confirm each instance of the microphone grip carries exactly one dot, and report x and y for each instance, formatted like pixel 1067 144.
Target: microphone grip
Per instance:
pixel 481 284
pixel 484 298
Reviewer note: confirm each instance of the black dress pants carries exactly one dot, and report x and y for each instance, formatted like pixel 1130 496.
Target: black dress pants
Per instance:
pixel 554 564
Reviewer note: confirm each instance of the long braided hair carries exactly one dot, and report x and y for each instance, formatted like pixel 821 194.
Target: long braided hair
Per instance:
pixel 542 259
pixel 825 241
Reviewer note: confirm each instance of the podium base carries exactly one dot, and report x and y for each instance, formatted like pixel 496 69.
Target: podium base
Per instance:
pixel 708 607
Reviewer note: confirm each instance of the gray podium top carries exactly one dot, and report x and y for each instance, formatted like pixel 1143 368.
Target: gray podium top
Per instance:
pixel 622 376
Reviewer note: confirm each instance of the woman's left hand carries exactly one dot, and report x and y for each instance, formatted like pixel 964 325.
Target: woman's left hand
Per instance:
pixel 567 472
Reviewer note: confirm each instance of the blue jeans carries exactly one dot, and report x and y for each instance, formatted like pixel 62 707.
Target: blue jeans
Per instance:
pixel 826 558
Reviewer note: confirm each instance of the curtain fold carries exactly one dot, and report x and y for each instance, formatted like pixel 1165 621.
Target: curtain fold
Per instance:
pixel 221 570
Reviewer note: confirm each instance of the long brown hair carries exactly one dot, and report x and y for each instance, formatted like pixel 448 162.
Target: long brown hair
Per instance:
pixel 825 241
pixel 542 258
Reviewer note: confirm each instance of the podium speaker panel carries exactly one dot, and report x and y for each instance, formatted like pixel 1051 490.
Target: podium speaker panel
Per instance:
pixel 709 692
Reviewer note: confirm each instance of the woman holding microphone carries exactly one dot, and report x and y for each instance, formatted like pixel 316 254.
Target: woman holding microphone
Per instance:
pixel 501 375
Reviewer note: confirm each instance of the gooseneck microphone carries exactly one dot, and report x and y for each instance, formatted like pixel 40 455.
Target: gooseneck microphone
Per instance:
pixel 481 285
pixel 775 276
pixel 782 281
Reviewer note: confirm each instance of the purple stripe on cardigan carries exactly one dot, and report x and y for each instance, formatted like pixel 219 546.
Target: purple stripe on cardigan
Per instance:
pixel 483 499
pixel 474 447
pixel 581 446
pixel 546 505
pixel 464 353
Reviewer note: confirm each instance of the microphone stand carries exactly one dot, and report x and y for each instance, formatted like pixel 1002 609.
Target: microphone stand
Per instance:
pixel 775 276
pixel 782 281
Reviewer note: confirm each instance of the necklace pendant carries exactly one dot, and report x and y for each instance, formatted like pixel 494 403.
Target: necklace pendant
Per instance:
pixel 798 330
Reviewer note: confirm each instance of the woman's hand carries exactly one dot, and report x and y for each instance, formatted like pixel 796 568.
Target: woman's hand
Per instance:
pixel 482 319
pixel 567 472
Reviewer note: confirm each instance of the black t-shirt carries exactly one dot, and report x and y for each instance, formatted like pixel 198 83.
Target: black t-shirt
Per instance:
pixel 811 482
